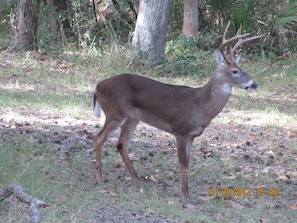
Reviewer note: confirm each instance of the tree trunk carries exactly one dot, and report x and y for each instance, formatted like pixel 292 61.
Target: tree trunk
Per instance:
pixel 55 28
pixel 190 21
pixel 151 27
pixel 27 25
pixel 52 19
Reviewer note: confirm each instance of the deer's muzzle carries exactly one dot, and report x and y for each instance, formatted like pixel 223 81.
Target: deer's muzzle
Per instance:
pixel 251 85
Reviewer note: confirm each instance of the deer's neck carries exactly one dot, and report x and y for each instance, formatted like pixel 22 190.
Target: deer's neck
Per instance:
pixel 214 96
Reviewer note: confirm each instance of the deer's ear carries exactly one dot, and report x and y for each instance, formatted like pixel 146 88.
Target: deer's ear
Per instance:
pixel 218 57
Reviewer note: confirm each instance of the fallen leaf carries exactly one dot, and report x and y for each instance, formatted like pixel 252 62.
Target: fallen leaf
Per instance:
pixel 258 185
pixel 231 123
pixel 153 178
pixel 84 125
pixel 234 204
pixel 293 206
pixel 139 190
pixel 281 162
pixel 283 178
pixel 206 198
pixel 119 166
pixel 132 156
pixel 107 191
pixel 230 177
pixel 234 156
pixel 171 202
pixel 191 206
pixel 290 133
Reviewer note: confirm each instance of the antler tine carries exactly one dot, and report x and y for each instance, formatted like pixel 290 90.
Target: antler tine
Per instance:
pixel 239 37
pixel 226 41
pixel 236 37
pixel 242 41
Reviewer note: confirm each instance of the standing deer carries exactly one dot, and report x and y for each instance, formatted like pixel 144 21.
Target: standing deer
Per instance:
pixel 182 111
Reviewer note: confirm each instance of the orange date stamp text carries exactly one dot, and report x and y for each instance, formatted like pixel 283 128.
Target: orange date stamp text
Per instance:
pixel 242 191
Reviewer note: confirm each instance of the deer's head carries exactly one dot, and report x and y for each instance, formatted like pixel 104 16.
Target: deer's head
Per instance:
pixel 228 67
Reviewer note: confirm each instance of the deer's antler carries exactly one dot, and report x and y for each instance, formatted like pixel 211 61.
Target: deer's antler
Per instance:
pixel 239 37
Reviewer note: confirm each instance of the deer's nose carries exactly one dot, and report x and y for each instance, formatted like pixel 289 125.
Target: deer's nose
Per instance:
pixel 254 85
pixel 251 85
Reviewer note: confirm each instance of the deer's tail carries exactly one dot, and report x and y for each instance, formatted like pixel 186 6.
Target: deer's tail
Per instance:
pixel 97 107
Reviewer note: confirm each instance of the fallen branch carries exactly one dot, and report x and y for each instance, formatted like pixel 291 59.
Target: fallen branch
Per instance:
pixel 8 50
pixel 8 57
pixel 24 197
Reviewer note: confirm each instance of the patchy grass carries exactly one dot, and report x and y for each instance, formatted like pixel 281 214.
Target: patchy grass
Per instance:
pixel 46 145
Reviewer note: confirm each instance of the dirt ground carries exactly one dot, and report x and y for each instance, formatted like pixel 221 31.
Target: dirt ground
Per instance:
pixel 70 138
pixel 257 149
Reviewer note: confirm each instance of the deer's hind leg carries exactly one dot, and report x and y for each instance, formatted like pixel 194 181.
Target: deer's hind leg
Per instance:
pixel 110 125
pixel 127 130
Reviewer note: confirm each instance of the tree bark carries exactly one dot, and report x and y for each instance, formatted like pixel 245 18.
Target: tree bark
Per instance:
pixel 151 27
pixel 190 21
pixel 54 27
pixel 25 33
pixel 53 22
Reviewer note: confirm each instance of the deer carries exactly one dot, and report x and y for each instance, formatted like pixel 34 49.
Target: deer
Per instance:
pixel 182 111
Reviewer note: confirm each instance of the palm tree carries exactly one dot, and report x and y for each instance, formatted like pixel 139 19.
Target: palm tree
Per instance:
pixel 284 24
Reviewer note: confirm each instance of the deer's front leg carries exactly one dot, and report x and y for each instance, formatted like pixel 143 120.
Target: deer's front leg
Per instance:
pixel 183 151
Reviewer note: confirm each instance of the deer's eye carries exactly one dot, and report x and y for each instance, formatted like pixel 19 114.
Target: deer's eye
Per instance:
pixel 235 72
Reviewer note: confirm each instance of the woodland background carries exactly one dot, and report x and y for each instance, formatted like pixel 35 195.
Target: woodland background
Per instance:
pixel 55 26
pixel 52 53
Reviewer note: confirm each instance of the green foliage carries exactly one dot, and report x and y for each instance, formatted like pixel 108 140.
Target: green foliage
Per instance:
pixel 283 27
pixel 275 18
pixel 6 17
pixel 112 26
pixel 46 37
pixel 115 23
pixel 176 21
pixel 221 10
pixel 189 55
pixel 287 16
pixel 244 15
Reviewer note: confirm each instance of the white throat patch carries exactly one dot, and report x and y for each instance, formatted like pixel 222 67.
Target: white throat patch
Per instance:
pixel 226 89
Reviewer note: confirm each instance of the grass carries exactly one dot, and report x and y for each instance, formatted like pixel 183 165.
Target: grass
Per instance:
pixel 47 127
pixel 46 176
